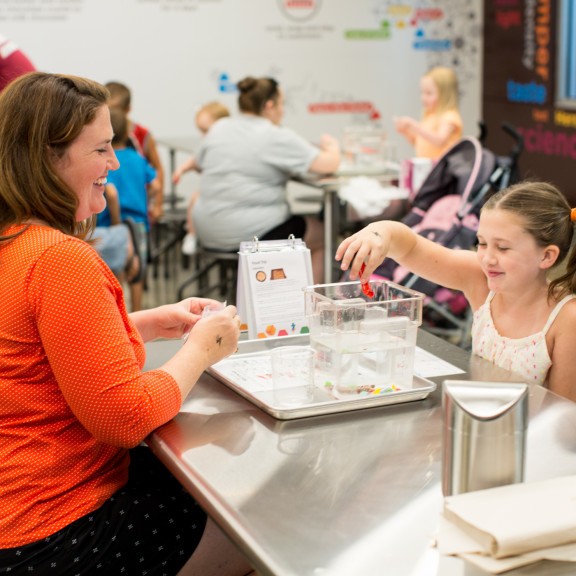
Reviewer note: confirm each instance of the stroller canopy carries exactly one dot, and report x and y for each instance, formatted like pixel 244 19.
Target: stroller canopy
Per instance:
pixel 462 172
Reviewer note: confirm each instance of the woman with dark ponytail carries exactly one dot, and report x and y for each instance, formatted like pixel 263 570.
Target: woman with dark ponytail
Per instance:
pixel 246 162
pixel 523 320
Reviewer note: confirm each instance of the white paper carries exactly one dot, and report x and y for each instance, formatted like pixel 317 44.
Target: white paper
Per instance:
pixel 251 372
pixel 426 365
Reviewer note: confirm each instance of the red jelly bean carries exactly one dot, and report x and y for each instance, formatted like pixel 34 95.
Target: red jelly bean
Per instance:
pixel 366 285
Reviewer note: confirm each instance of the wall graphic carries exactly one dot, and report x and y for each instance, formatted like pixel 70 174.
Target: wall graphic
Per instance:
pixel 339 62
pixel 520 79
pixel 39 11
pixel 446 33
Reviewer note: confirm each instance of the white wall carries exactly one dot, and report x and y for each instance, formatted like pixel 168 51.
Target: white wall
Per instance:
pixel 171 53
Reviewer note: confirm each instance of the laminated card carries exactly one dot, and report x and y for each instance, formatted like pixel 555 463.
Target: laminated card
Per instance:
pixel 271 278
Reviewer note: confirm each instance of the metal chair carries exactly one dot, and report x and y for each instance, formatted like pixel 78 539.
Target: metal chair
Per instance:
pixel 165 238
pixel 211 263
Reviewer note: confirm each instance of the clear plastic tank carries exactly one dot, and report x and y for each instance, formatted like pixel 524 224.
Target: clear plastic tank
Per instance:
pixel 364 345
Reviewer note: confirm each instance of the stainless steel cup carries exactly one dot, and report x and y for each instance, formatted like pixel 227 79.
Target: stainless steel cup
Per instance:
pixel 484 436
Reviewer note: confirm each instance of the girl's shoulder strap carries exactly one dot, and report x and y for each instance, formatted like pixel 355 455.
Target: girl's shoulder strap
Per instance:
pixel 556 311
pixel 485 305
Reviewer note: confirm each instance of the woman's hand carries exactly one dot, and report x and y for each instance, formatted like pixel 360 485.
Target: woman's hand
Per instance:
pixel 329 143
pixel 370 245
pixel 216 336
pixel 329 157
pixel 171 320
pixel 210 340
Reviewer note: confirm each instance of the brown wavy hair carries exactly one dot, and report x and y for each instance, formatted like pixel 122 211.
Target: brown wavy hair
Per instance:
pixel 120 95
pixel 40 116
pixel 255 92
pixel 547 218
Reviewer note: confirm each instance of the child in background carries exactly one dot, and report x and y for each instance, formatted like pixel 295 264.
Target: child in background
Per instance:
pixel 141 139
pixel 136 185
pixel 115 242
pixel 205 117
pixel 13 62
pixel 441 125
pixel 523 322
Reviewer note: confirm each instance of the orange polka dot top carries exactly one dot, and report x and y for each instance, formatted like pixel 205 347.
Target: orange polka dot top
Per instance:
pixel 73 397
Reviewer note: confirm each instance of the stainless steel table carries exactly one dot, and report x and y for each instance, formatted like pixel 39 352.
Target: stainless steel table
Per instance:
pixel 355 494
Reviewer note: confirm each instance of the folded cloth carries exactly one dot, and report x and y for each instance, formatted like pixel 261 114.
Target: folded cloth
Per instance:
pixel 510 526
pixel 368 197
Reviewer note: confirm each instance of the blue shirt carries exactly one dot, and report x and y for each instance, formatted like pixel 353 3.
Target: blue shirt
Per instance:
pixel 131 180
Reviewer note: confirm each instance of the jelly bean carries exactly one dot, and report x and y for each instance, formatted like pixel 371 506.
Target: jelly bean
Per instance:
pixel 366 285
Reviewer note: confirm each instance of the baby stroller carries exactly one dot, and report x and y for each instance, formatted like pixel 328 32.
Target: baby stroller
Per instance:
pixel 446 210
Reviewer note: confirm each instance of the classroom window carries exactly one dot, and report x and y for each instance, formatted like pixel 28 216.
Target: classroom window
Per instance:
pixel 567 54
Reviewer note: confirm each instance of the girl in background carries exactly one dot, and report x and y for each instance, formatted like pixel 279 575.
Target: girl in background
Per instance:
pixel 205 117
pixel 441 125
pixel 522 321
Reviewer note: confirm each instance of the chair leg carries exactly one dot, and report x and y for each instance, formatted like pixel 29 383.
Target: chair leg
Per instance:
pixel 223 288
pixel 232 282
pixel 202 277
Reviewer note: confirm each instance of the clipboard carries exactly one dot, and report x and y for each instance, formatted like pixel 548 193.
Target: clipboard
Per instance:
pixel 271 278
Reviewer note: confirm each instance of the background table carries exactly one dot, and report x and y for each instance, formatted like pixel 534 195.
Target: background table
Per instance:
pixel 183 145
pixel 329 186
pixel 344 494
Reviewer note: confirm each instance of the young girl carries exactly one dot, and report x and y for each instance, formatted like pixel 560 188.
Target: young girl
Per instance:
pixel 205 117
pixel 142 140
pixel 441 125
pixel 522 321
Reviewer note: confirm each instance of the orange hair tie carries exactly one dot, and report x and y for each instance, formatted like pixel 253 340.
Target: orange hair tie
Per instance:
pixel 573 214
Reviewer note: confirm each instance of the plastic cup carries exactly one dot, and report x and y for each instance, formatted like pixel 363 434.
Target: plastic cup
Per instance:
pixel 213 309
pixel 293 375
pixel 207 311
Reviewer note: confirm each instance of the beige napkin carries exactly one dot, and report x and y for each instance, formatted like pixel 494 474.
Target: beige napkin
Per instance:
pixel 510 526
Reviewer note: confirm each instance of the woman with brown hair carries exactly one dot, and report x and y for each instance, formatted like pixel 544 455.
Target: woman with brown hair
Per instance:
pixel 76 492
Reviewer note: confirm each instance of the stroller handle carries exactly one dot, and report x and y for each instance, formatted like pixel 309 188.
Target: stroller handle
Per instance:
pixel 511 131
pixel 482 132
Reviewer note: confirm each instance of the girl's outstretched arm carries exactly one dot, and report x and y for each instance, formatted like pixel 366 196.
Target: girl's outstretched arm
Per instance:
pixel 404 125
pixel 456 269
pixel 439 137
pixel 189 164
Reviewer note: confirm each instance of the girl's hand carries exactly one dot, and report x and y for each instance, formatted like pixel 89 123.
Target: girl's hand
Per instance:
pixel 216 336
pixel 404 124
pixel 370 245
pixel 155 212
